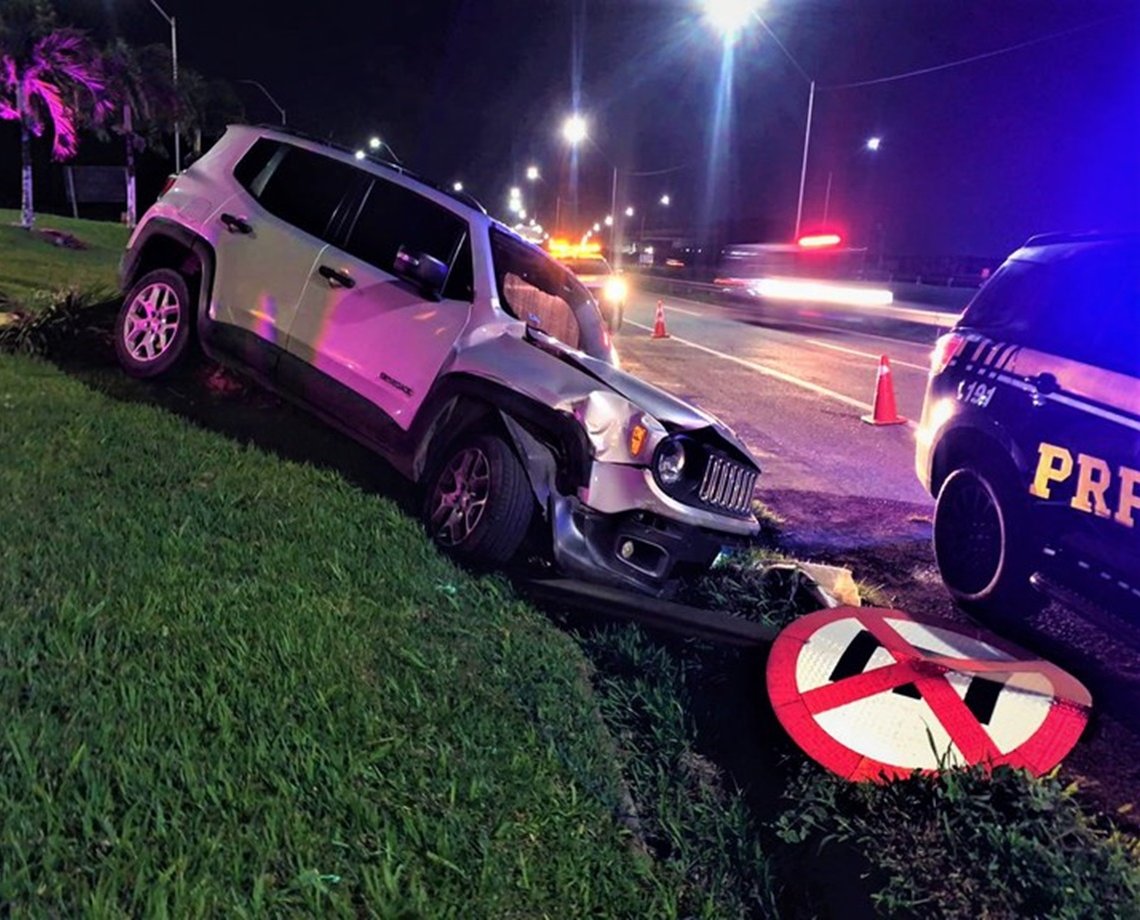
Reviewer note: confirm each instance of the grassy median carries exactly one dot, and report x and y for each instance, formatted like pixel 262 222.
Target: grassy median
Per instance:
pixel 33 267
pixel 233 683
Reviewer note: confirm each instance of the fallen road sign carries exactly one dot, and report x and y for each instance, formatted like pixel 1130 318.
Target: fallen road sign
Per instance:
pixel 875 694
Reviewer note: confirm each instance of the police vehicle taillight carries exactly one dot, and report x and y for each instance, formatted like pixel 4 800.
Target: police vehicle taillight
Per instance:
pixel 945 350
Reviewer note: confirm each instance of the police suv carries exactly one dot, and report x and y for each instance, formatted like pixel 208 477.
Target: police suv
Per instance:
pixel 1030 433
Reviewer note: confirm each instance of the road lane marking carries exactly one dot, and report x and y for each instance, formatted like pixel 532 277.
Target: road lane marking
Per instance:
pixel 769 372
pixel 731 308
pixel 895 362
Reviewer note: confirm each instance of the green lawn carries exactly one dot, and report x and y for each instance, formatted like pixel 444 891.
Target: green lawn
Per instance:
pixel 30 264
pixel 235 684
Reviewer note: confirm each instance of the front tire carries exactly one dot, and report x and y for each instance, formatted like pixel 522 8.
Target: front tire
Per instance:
pixel 152 330
pixel 984 552
pixel 479 503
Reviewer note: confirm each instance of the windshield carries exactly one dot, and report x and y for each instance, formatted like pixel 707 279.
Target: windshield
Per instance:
pixel 587 266
pixel 541 292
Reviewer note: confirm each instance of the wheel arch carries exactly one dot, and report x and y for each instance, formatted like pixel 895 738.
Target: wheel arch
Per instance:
pixel 165 243
pixel 970 445
pixel 550 444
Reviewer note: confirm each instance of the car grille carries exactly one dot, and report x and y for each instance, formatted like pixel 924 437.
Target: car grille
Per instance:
pixel 727 485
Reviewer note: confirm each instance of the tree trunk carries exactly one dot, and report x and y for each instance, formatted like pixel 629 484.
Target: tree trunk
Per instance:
pixel 132 199
pixel 27 209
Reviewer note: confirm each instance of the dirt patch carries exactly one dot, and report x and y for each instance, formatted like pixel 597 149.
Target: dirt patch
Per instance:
pixel 60 238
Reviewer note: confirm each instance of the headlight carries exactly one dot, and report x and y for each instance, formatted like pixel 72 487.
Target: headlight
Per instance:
pixel 615 289
pixel 670 461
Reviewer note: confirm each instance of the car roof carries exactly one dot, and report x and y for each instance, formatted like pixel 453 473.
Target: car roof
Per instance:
pixel 348 155
pixel 1052 247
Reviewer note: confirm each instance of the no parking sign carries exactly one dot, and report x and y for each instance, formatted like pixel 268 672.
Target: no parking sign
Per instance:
pixel 872 693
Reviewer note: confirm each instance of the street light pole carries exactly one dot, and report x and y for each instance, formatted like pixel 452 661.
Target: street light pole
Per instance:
pixel 174 61
pixel 803 166
pixel 280 110
pixel 615 239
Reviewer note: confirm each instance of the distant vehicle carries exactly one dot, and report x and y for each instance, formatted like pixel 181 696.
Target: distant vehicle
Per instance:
pixel 478 366
pixel 1030 434
pixel 816 255
pixel 608 287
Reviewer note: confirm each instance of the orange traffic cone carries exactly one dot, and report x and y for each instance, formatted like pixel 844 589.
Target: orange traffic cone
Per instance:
pixel 885 412
pixel 659 331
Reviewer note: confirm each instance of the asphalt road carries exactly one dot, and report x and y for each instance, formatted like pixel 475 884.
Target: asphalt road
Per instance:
pixel 794 390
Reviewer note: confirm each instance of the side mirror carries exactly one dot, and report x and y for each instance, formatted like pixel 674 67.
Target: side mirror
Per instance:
pixel 425 271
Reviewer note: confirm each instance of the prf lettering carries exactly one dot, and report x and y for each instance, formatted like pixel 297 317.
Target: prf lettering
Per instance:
pixel 1094 477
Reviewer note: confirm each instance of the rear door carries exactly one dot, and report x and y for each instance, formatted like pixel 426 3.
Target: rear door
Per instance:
pixel 366 339
pixel 1079 367
pixel 270 237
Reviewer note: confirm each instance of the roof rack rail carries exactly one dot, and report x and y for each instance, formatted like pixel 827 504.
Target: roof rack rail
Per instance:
pixel 463 197
pixel 1085 236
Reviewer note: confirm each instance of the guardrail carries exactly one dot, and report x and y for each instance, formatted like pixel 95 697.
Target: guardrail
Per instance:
pixel 910 313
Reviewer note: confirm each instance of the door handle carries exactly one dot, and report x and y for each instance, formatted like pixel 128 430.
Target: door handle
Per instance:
pixel 236 224
pixel 338 279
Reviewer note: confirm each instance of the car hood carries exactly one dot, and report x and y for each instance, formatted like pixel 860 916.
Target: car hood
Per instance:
pixel 525 366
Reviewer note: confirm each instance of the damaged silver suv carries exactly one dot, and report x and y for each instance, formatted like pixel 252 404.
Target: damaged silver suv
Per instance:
pixel 465 356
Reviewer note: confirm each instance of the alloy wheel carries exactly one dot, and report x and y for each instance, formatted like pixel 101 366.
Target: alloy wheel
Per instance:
pixel 152 322
pixel 461 495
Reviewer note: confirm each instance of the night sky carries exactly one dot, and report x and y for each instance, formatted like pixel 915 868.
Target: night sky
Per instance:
pixel 973 159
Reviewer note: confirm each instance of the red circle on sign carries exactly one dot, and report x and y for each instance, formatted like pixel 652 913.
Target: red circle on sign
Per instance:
pixel 918 672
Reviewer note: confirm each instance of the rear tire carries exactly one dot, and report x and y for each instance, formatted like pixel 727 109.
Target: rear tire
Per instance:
pixel 479 503
pixel 152 330
pixel 984 551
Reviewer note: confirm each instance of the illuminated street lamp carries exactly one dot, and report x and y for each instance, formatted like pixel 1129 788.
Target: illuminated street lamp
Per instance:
pixel 574 130
pixel 665 201
pixel 729 17
pixel 360 154
pixel 597 228
pixel 629 211
pixel 532 174
pixel 516 192
pixel 458 187
pixel 609 221
pixel 873 143
pixel 375 143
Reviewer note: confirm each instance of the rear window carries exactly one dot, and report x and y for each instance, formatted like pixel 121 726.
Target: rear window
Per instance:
pixel 303 188
pixel 587 266
pixel 1084 306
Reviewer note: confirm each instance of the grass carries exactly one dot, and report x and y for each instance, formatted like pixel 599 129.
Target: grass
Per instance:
pixel 32 269
pixel 237 685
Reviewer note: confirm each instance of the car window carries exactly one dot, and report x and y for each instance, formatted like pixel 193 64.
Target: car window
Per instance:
pixel 301 187
pixel 393 216
pixel 535 288
pixel 1085 306
pixel 253 169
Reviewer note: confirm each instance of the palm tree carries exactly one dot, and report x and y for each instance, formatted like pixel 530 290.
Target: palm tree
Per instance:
pixel 145 100
pixel 46 75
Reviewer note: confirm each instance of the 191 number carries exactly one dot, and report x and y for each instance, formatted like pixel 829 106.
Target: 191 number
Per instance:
pixel 975 393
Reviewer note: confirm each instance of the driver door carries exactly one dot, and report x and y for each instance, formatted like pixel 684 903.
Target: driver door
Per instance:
pixel 366 343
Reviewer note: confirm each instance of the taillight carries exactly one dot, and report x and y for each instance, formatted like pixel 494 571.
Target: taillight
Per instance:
pixel 945 350
pixel 170 180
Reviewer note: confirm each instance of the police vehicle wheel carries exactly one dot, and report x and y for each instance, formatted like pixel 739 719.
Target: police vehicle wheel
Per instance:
pixel 983 555
pixel 479 503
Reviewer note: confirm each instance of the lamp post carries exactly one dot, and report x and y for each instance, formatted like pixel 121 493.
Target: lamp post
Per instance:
pixel 872 144
pixel 729 17
pixel 174 68
pixel 574 131
pixel 280 111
